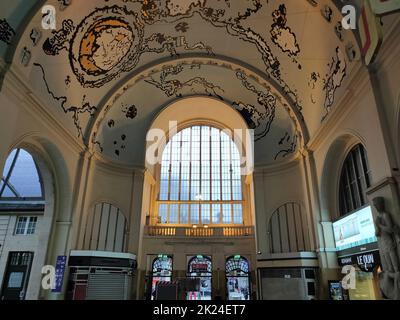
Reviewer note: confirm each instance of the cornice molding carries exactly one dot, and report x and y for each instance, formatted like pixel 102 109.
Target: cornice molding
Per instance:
pixel 355 87
pixel 16 88
pixel 276 169
pixel 116 168
pixel 380 184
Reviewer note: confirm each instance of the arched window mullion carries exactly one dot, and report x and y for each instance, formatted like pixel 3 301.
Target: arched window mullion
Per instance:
pixel 8 175
pixel 354 180
pixel 201 208
pixel 348 187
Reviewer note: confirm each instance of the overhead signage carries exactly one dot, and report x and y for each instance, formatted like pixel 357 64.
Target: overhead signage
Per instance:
pixel 370 33
pixel 365 261
pixel 199 267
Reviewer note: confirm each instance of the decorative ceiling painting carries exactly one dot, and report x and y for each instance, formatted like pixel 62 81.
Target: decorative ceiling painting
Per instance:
pixel 111 66
pixel 261 106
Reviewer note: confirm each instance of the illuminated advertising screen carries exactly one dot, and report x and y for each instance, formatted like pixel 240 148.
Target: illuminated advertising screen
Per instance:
pixel 355 230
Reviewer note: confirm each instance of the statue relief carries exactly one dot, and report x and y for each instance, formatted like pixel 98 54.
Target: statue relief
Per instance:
pixel 388 233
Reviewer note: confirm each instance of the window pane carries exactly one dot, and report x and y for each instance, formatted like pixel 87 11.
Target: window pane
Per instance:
pixel 194 213
pixel 173 213
pixel 162 213
pixel 195 190
pixel 185 190
pixel 24 176
pixel 216 213
pixel 226 213
pixel 205 213
pixel 164 190
pixel 184 213
pixel 174 194
pixel 32 225
pixel 354 181
pixel 21 225
pixel 237 214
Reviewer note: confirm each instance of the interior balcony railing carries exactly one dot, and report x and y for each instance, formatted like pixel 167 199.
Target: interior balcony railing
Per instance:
pixel 199 231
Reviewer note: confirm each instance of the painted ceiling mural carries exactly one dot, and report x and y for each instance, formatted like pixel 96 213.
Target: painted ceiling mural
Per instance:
pixel 111 66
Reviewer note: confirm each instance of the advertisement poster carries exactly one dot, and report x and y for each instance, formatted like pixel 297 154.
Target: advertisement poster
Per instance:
pixel 355 230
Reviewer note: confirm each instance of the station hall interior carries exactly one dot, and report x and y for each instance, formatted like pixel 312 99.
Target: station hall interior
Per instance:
pixel 199 150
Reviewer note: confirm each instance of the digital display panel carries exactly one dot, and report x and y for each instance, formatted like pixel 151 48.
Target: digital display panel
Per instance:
pixel 355 230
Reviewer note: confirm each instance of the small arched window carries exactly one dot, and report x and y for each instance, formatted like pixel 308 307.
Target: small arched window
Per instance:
pixel 355 179
pixel 288 229
pixel 20 180
pixel 105 229
pixel 200 179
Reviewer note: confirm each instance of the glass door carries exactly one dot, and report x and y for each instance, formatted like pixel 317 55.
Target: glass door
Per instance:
pixel 237 278
pixel 17 275
pixel 200 267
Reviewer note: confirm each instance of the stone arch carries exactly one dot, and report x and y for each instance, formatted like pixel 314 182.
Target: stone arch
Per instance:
pixel 333 162
pixel 51 167
pixel 204 111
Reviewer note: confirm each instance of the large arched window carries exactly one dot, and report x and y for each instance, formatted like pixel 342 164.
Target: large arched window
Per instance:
pixel 22 214
pixel 200 179
pixel 355 179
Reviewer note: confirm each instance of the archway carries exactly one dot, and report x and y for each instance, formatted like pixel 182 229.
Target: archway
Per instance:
pixel 27 207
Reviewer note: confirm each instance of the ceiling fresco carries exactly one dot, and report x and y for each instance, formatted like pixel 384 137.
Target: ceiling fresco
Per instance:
pixel 111 66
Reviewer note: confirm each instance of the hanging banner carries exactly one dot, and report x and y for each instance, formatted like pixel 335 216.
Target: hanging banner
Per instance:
pixel 370 33
pixel 381 7
pixel 60 269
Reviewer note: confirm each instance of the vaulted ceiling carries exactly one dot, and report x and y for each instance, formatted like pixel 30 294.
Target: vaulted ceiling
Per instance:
pixel 111 66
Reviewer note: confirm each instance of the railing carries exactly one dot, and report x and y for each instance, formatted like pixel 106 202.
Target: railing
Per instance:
pixel 201 232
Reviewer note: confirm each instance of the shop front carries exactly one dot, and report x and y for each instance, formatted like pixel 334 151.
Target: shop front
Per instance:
pixel 357 247
pixel 202 279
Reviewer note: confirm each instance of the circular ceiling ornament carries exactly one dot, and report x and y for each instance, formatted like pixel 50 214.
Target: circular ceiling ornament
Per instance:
pixel 106 43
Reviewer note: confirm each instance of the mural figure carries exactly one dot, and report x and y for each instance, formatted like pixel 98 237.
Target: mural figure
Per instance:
pixel 258 118
pixel 6 31
pixel 289 145
pixel 389 234
pixel 59 40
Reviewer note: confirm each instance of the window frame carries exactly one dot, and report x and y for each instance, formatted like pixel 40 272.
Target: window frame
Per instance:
pixel 6 183
pixel 354 180
pixel 189 203
pixel 27 225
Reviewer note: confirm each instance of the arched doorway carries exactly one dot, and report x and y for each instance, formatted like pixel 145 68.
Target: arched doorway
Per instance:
pixel 161 271
pixel 25 224
pixel 237 270
pixel 200 267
